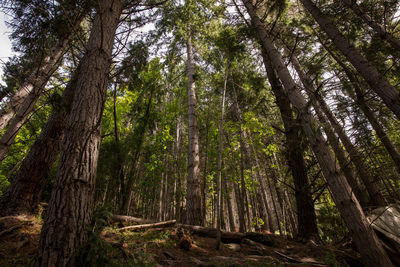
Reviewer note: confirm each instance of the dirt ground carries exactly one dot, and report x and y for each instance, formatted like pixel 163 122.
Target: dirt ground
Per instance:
pixel 19 238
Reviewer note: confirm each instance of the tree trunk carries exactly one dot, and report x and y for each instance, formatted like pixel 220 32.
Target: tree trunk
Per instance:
pixel 360 100
pixel 193 204
pixel 379 29
pixel 371 186
pixel 307 222
pixel 24 100
pixel 363 236
pixel 71 203
pixel 377 82
pixel 24 193
pixel 344 162
pixel 243 194
pixel 219 161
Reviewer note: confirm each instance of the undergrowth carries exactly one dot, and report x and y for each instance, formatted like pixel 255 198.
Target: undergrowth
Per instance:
pixel 98 253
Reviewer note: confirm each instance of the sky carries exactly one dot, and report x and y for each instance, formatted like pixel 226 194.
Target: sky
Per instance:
pixel 5 44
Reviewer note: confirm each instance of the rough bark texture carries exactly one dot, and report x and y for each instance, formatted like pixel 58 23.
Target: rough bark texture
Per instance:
pixel 193 201
pixel 307 221
pixel 363 236
pixel 379 29
pixel 378 83
pixel 70 206
pixel 24 193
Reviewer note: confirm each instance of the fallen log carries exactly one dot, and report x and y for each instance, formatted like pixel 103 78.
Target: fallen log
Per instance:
pixel 145 226
pixel 130 219
pixel 230 237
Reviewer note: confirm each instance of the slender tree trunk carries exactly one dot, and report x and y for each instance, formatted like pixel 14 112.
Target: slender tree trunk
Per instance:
pixel 379 29
pixel 373 189
pixel 24 193
pixel 120 166
pixel 371 185
pixel 242 226
pixel 23 101
pixel 306 218
pixel 71 203
pixel 377 82
pixel 193 203
pixel 229 206
pixel 363 236
pixel 344 162
pixel 360 100
pixel 219 161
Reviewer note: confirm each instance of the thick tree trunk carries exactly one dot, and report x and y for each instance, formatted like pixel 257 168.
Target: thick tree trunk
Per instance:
pixel 377 82
pixel 363 236
pixel 24 193
pixel 379 29
pixel 193 204
pixel 71 203
pixel 307 222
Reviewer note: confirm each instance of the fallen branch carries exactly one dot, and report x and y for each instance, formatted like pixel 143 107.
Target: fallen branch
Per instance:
pixel 230 237
pixel 129 219
pixel 145 226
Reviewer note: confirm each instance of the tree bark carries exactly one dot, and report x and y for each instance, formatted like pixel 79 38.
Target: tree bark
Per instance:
pixel 71 203
pixel 377 82
pixel 379 29
pixel 306 218
pixel 363 236
pixel 24 193
pixel 193 204
pixel 23 101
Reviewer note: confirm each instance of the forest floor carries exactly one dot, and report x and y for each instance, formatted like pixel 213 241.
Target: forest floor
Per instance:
pixel 19 238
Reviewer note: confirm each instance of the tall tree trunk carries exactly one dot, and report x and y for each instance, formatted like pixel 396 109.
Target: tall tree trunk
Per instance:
pixel 363 236
pixel 379 29
pixel 193 203
pixel 344 162
pixel 360 100
pixel 71 204
pixel 24 193
pixel 371 185
pixel 23 101
pixel 373 189
pixel 229 206
pixel 219 161
pixel 306 218
pixel 243 194
pixel 377 82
